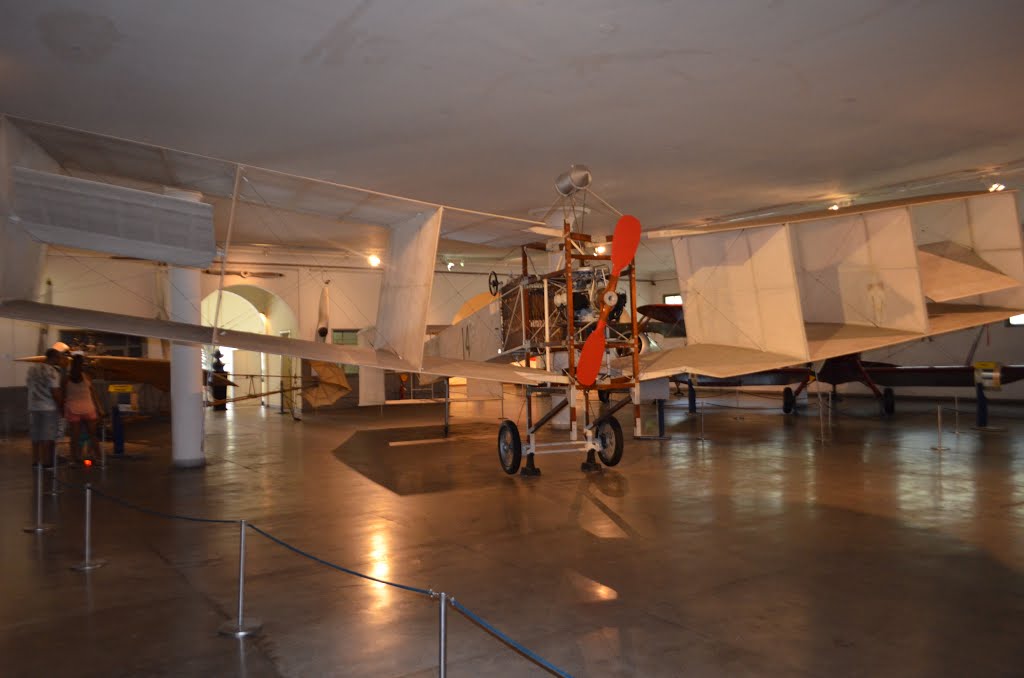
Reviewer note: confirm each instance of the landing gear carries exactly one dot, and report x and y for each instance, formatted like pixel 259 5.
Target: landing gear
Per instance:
pixel 510 447
pixel 888 401
pixel 788 400
pixel 608 435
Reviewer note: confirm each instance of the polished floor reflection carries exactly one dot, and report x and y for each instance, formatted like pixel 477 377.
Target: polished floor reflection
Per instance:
pixel 759 552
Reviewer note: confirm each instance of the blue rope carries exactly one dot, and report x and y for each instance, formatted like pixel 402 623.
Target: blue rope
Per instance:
pixel 159 514
pixel 535 658
pixel 288 546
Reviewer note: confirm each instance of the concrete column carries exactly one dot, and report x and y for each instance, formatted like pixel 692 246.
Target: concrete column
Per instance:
pixel 186 374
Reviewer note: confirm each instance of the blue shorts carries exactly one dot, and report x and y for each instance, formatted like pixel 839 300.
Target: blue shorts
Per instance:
pixel 42 425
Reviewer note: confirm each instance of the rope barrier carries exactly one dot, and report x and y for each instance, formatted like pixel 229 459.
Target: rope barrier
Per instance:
pixel 152 512
pixel 532 656
pixel 281 542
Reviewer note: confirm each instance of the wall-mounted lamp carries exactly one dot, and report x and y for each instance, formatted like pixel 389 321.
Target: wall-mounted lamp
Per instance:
pixel 374 260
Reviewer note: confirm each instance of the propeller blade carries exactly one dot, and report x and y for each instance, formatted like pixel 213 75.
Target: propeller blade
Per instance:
pixel 591 356
pixel 625 242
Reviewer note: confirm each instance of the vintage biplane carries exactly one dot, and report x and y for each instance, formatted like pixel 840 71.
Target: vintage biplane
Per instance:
pixel 758 295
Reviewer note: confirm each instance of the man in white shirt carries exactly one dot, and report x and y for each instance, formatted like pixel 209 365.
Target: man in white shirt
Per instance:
pixel 44 405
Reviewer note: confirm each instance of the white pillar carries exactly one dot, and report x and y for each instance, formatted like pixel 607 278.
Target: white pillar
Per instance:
pixel 186 374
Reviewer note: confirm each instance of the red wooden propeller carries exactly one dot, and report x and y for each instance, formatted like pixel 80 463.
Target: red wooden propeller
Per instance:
pixel 625 242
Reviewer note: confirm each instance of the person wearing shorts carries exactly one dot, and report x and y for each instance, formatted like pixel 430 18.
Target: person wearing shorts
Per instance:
pixel 81 408
pixel 44 405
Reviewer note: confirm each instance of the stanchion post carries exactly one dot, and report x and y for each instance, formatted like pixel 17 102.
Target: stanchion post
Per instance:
pixel 88 563
pixel 830 410
pixel 821 418
pixel 241 627
pixel 39 527
pixel 54 485
pixel 938 447
pixel 702 438
pixel 956 415
pixel 442 640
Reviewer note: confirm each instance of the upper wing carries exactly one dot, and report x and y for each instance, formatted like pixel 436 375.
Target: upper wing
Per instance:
pixel 195 334
pixel 307 212
pixel 807 287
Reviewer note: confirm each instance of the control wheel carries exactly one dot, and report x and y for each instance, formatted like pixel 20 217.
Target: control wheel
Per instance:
pixel 510 447
pixel 608 434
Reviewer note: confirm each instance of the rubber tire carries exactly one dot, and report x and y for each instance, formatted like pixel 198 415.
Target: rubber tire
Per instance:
pixel 492 284
pixel 788 400
pixel 515 447
pixel 614 428
pixel 888 402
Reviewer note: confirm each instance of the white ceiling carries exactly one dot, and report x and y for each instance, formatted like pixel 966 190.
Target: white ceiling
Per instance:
pixel 683 110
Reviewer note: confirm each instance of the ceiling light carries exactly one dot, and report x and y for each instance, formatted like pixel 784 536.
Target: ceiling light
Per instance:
pixel 450 265
pixel 600 249
pixel 996 187
pixel 462 263
pixel 833 207
pixel 374 260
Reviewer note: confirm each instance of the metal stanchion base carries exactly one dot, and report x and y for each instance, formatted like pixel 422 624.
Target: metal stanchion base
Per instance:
pixel 38 529
pixel 248 627
pixel 86 566
pixel 53 491
pixel 989 429
pixel 590 465
pixel 939 448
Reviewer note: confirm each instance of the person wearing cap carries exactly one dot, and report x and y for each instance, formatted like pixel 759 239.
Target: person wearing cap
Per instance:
pixel 45 401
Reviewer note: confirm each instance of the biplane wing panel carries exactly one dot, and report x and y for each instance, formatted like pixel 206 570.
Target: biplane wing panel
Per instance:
pixel 740 289
pixel 828 340
pixel 93 155
pixel 62 210
pixel 950 271
pixel 711 360
pixel 951 317
pixel 405 291
pixel 31 311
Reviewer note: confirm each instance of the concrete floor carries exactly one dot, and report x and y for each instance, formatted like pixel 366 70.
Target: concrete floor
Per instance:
pixel 759 553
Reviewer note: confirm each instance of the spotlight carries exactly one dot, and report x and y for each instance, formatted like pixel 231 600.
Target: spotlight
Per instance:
pixel 450 265
pixel 996 187
pixel 462 264
pixel 833 207
pixel 374 260
pixel 600 249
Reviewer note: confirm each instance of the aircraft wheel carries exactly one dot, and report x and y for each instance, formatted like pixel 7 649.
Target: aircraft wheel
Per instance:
pixel 604 396
pixel 492 284
pixel 510 447
pixel 608 433
pixel 788 400
pixel 888 401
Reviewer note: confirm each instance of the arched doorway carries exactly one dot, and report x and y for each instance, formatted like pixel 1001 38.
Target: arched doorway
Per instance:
pixel 247 308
